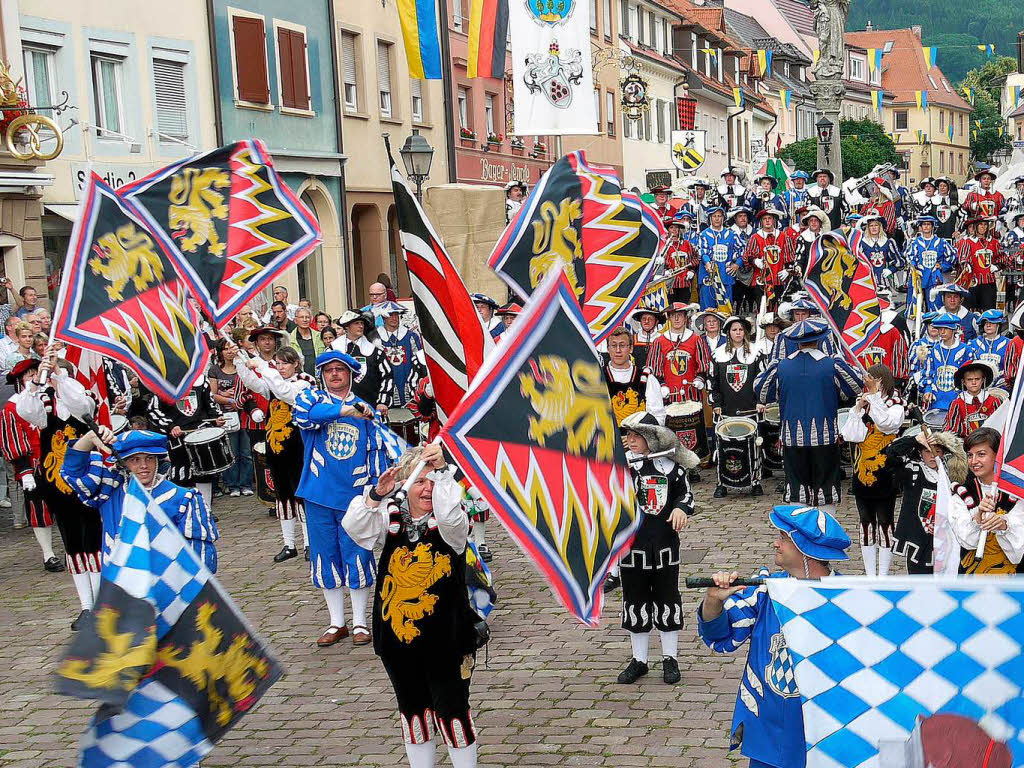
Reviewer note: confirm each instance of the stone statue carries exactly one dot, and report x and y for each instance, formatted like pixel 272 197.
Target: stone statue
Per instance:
pixel 830 22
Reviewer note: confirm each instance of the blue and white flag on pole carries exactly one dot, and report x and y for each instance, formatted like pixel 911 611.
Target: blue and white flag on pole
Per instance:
pixel 878 659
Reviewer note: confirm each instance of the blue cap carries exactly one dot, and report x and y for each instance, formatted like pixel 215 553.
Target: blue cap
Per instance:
pixel 483 298
pixel 993 316
pixel 684 212
pixel 946 320
pixel 950 288
pixel 800 175
pixel 922 219
pixel 333 355
pixel 803 303
pixel 927 317
pixel 853 217
pixel 814 532
pixel 715 209
pixel 140 441
pixel 388 308
pixel 807 331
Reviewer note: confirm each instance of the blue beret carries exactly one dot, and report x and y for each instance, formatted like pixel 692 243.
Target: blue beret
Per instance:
pixel 807 331
pixel 140 441
pixel 815 532
pixel 333 355
pixel 946 320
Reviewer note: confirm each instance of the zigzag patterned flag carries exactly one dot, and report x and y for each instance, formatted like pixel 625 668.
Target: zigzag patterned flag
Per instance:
pixel 173 662
pixel 121 296
pixel 579 216
pixel 907 672
pixel 840 281
pixel 229 221
pixel 536 436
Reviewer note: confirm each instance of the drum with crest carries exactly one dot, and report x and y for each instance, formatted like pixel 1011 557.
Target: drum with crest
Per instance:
pixel 686 419
pixel 404 424
pixel 771 435
pixel 739 452
pixel 119 423
pixel 209 451
pixel 264 482
pixel 936 420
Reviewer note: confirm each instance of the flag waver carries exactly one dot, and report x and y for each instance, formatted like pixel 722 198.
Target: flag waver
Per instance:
pixel 536 435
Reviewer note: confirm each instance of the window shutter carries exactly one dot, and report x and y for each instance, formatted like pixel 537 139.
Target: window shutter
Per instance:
pixel 284 64
pixel 383 67
pixel 348 58
pixel 171 106
pixel 292 57
pixel 250 59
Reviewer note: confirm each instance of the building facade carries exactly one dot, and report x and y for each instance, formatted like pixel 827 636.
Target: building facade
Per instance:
pixel 275 78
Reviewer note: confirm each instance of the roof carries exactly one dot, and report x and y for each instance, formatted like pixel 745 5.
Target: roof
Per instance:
pixel 652 55
pixel 904 70
pixel 711 20
pixel 798 14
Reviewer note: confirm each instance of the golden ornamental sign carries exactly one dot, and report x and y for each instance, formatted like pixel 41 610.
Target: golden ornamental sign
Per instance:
pixel 27 134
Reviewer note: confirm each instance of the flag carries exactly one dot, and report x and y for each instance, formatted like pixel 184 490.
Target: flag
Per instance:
pixel 920 136
pixel 890 668
pixel 173 662
pixel 922 99
pixel 764 61
pixel 120 296
pixel 1000 130
pixel 949 130
pixel 977 124
pixel 988 49
pixel 930 53
pixel 946 548
pixel 419 32
pixel 552 73
pixel 1010 458
pixel 579 216
pixel 537 437
pixel 841 282
pixel 1016 96
pixel 655 298
pixel 785 96
pixel 876 100
pixel 229 222
pixel 738 97
pixel 711 52
pixel 488 31
pixel 90 374
pixel 454 339
pixel 974 135
pixel 817 55
pixel 970 95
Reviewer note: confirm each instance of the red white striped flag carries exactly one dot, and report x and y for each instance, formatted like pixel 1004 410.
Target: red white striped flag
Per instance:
pixel 89 373
pixel 454 339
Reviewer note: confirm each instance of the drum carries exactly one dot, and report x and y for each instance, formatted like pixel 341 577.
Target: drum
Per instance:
pixel 119 424
pixel 845 448
pixel 739 452
pixel 771 434
pixel 264 482
pixel 231 421
pixel 209 451
pixel 404 424
pixel 687 421
pixel 936 420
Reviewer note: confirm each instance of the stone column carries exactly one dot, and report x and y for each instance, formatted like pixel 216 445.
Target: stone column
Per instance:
pixel 828 97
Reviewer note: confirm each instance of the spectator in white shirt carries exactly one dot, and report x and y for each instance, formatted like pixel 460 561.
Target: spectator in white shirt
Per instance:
pixel 281 294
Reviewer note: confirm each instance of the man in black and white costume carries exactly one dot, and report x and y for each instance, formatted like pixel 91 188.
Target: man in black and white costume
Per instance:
pixel 375 383
pixel 824 194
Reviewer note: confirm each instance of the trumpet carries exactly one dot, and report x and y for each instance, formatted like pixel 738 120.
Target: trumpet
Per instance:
pixel 765 195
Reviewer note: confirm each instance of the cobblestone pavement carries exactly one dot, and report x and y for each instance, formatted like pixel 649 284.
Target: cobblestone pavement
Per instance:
pixel 546 695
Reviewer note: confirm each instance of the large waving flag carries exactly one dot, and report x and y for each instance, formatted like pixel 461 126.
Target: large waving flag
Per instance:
pixel 121 296
pixel 488 31
pixel 536 436
pixel 454 339
pixel 840 281
pixel 90 374
pixel 164 649
pixel 580 219
pixel 229 221
pixel 892 668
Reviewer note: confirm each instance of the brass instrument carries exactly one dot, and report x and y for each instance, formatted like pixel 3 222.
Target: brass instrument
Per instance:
pixel 765 195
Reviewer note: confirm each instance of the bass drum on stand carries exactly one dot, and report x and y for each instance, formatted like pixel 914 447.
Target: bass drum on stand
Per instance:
pixel 771 434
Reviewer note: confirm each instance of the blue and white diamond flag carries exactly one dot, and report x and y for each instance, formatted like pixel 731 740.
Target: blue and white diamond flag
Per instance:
pixel 897 672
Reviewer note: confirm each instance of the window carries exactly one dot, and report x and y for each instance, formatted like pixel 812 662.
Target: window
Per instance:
pixel 40 77
pixel 348 71
pixel 609 111
pixel 463 101
pixel 384 77
pixel 489 114
pixel 291 67
pixel 931 80
pixel 249 43
pixel 107 88
pixel 961 125
pixel 608 19
pixel 659 106
pixel 633 24
pixel 961 164
pixel 171 106
pixel 899 120
pixel 720 54
pixel 597 107
pixel 785 68
pixel 653 27
pixel 624 18
pixel 942 162
pixel 593 17
pixel 648 126
pixel 856 68
pixel 942 120
pixel 736 69
pixel 662 42
pixel 416 92
pixel 641 27
pixel 457 15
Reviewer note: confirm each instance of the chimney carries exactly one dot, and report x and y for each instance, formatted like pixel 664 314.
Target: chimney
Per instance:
pixel 916 29
pixel 869 27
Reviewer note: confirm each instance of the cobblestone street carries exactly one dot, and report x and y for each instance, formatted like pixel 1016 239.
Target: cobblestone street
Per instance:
pixel 544 695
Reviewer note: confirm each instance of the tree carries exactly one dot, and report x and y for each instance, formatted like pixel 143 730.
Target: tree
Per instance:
pixel 865 145
pixel 987 81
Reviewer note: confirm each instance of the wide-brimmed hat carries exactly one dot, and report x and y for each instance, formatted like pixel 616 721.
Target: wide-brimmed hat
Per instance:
pixel 768 318
pixel 799 175
pixel 658 189
pixel 388 308
pixel 779 215
pixel 1012 216
pixel 512 308
pixel 699 320
pixel 658 314
pixel 763 176
pixel 255 333
pixel 816 533
pixel 728 172
pixel 483 298
pixel 853 217
pixel 348 317
pixel 996 316
pixel 953 288
pixel 21 368
pixel 730 321
pixel 659 438
pixel 978 219
pixel 816 213
pixel 136 441
pixel 974 365
pixel 986 172
pixel 946 320
pixel 925 181
pixel 734 212
pixel 520 184
pixel 678 306
pixel 807 331
pixel 334 355
pixel 831 176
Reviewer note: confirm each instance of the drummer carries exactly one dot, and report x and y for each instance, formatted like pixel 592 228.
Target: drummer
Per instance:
pixel 631 386
pixel 975 401
pixel 680 358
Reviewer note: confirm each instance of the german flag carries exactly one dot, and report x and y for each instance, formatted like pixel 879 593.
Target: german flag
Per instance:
pixel 488 31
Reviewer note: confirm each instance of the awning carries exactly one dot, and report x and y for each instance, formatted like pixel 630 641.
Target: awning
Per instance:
pixel 64 210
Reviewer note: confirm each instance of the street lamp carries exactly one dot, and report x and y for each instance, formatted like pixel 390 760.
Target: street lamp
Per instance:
pixel 417 154
pixel 825 129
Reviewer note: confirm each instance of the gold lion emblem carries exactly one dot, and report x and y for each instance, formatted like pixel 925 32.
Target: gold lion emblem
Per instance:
pixel 120 665
pixel 575 402
pixel 838 265
pixel 55 458
pixel 195 203
pixel 625 404
pixel 279 427
pixel 126 255
pixel 403 593
pixel 556 242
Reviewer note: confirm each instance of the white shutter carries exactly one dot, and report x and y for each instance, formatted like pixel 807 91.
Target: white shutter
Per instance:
pixel 171 105
pixel 416 91
pixel 348 58
pixel 384 77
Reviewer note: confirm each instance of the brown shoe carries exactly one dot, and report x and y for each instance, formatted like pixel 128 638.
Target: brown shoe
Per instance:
pixel 332 636
pixel 361 635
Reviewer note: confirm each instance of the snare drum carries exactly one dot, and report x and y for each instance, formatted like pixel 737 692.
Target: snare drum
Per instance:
pixel 209 451
pixel 739 452
pixel 771 434
pixel 118 423
pixel 687 421
pixel 264 482
pixel 936 420
pixel 405 425
pixel 231 421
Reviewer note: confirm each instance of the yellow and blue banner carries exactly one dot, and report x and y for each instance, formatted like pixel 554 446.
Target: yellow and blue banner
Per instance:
pixel 786 96
pixel 738 97
pixel 1016 96
pixel 930 53
pixel 922 99
pixel 969 93
pixel 988 49
pixel 950 130
pixel 876 101
pixel 764 61
pixel 874 59
pixel 920 136
pixel 419 31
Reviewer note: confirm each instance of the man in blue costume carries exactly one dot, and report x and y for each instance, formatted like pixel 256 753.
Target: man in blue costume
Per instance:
pixel 346 450
pixel 768 723
pixel 721 253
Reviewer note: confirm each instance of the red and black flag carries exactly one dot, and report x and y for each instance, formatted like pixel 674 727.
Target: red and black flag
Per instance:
pixel 536 436
pixel 121 296
pixel 229 221
pixel 580 219
pixel 173 662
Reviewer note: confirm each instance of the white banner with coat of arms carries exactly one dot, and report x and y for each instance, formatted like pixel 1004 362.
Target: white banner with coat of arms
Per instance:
pixel 553 80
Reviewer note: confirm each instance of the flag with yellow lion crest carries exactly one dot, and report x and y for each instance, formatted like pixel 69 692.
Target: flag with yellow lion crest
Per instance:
pixel 537 437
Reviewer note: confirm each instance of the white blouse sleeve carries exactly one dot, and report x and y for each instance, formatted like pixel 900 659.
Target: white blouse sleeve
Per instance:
pixel 284 390
pixel 366 526
pixel 655 401
pixel 967 532
pixel 73 394
pixel 29 405
pixel 1012 539
pixel 888 418
pixel 452 520
pixel 253 381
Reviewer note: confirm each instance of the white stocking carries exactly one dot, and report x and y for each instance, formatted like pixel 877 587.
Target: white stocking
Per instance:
pixel 288 532
pixel 206 489
pixel 884 560
pixel 670 644
pixel 479 533
pixel 336 605
pixel 305 533
pixel 463 757
pixel 641 642
pixel 421 755
pixel 45 538
pixel 360 597
pixel 83 586
pixel 94 580
pixel 869 552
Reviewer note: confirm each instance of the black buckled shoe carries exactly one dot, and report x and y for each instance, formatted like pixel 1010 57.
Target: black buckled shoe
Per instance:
pixel 633 672
pixel 78 622
pixel 780 487
pixel 53 565
pixel 286 553
pixel 611 583
pixel 670 671
pixel 693 476
pixel 720 492
pixel 757 491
